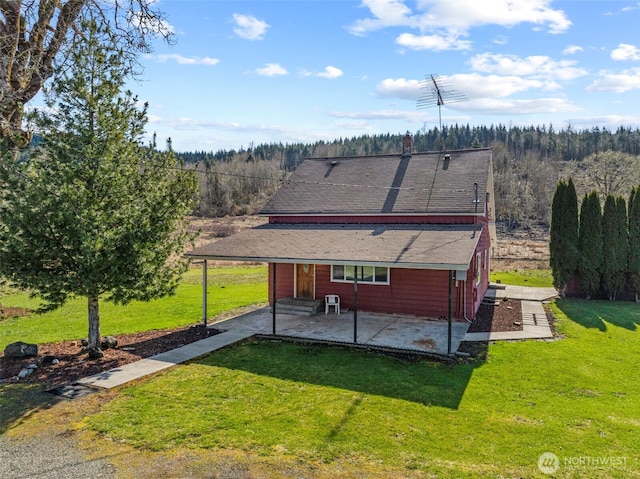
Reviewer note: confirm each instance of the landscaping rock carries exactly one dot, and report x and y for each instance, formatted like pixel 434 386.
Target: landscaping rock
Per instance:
pixel 109 342
pixel 48 360
pixel 24 373
pixel 31 366
pixel 95 353
pixel 21 350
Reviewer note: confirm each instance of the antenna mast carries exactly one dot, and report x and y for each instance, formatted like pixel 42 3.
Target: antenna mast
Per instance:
pixel 437 91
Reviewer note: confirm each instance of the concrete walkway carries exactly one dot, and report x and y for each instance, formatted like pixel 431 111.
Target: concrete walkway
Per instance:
pixel 138 369
pixel 534 318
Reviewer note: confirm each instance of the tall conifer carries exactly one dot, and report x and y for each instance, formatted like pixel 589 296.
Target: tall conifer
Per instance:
pixel 612 269
pixel 94 213
pixel 633 264
pixel 590 244
pixel 563 242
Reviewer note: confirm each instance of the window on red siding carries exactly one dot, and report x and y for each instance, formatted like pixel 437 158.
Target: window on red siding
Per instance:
pixel 366 274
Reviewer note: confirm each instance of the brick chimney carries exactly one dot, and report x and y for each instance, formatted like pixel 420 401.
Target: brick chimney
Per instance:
pixel 407 145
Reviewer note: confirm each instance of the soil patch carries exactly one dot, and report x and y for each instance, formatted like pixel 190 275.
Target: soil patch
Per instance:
pixel 503 316
pixel 74 363
pixel 11 312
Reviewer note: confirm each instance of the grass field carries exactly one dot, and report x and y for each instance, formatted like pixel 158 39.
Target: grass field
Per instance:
pixel 267 409
pixel 577 398
pixel 227 288
pixel 525 277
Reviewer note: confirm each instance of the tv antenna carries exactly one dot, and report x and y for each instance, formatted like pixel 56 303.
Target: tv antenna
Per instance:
pixel 438 91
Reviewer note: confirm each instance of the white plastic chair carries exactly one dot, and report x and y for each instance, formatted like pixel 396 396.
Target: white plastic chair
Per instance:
pixel 331 301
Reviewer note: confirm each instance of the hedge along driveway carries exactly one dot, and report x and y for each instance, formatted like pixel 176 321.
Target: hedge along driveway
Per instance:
pixel 227 287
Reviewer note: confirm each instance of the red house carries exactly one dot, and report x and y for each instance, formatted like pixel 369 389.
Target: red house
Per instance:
pixel 410 232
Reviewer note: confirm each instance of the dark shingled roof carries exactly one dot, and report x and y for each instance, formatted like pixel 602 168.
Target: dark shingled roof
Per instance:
pixel 409 246
pixel 423 183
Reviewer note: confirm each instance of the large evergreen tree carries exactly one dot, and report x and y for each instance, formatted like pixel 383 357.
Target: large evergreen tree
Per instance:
pixel 92 212
pixel 590 244
pixel 623 240
pixel 633 264
pixel 563 243
pixel 612 272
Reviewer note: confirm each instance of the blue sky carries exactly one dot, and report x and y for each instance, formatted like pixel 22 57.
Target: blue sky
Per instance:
pixel 290 71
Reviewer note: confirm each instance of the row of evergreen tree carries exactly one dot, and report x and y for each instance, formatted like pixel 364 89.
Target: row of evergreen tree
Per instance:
pixel 599 247
pixel 566 144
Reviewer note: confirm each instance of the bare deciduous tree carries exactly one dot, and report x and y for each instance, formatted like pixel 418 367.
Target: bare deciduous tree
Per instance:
pixel 609 172
pixel 34 34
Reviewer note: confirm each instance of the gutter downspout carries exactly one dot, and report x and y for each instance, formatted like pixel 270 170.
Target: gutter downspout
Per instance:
pixel 464 307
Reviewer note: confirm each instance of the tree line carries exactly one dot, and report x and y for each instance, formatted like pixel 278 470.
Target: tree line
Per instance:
pixel 528 162
pixel 596 248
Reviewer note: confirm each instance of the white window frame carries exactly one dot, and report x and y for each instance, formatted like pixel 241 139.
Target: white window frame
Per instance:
pixel 349 279
pixel 478 267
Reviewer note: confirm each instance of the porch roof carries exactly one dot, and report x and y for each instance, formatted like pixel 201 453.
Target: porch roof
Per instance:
pixel 442 247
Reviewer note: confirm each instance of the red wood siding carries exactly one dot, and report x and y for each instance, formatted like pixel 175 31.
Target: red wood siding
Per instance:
pixel 285 281
pixel 412 291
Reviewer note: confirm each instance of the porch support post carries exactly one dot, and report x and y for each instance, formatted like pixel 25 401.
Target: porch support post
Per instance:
pixel 204 292
pixel 355 305
pixel 450 273
pixel 273 295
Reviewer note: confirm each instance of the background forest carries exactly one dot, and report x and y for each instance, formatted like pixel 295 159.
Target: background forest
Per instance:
pixel 528 163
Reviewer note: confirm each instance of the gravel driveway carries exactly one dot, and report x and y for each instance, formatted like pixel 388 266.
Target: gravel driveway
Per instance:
pixel 51 457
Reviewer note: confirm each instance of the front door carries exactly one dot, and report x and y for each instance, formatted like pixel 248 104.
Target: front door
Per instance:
pixel 305 275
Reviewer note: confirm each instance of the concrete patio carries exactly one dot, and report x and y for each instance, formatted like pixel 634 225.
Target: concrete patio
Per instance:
pixel 381 330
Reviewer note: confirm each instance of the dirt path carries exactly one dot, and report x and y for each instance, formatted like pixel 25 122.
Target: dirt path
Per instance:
pixel 50 457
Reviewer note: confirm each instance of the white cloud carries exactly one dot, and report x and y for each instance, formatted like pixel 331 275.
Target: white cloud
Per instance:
pixel 493 106
pixel 572 50
pixel 476 86
pixel 432 42
pixel 271 69
pixel 481 91
pixel 382 115
pixel 457 18
pixel 191 124
pixel 329 72
pixel 387 13
pixel 249 27
pixel 617 82
pixel 626 52
pixel 501 40
pixel 399 88
pixel 182 60
pixel 537 66
pixel 610 121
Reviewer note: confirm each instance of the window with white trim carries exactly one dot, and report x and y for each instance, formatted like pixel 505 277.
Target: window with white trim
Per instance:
pixel 478 267
pixel 366 274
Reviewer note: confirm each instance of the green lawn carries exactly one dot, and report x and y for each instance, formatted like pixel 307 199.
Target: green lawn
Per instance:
pixel 578 398
pixel 227 288
pixel 525 277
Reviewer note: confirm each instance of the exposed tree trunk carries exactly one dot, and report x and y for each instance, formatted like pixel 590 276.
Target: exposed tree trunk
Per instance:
pixel 94 328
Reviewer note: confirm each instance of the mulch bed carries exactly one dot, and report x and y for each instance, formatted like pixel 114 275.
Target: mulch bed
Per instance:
pixel 74 363
pixel 503 316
